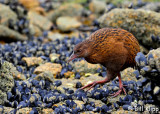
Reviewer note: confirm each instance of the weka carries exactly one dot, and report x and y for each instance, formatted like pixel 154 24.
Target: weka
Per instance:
pixel 113 48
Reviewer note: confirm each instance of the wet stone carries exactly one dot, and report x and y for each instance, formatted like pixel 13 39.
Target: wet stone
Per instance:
pixel 32 61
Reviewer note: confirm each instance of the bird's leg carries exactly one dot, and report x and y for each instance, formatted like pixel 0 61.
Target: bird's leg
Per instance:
pixel 94 83
pixel 121 86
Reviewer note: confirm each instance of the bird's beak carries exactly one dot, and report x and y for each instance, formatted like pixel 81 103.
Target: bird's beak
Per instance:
pixel 73 56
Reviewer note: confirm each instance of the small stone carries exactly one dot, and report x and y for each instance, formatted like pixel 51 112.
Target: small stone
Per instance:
pixel 52 67
pixel 35 30
pixel 55 35
pixel 6 14
pixel 32 61
pixel 7 33
pixel 67 23
pixel 29 3
pixel 24 111
pixel 79 103
pixel 85 67
pixel 46 75
pixel 156 90
pixel 97 6
pixel 47 111
pixel 39 21
pixel 68 74
pixel 53 57
pixel 70 9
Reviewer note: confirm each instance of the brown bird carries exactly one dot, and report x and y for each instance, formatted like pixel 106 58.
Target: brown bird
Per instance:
pixel 113 48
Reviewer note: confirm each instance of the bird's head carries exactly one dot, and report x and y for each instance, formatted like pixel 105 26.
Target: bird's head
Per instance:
pixel 79 51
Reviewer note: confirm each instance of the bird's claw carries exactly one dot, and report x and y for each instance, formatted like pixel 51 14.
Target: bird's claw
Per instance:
pixel 119 91
pixel 89 85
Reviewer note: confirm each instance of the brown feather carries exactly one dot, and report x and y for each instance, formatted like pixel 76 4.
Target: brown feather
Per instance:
pixel 111 46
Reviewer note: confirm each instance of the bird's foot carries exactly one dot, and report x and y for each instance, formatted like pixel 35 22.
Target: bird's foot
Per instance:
pixel 95 83
pixel 119 91
pixel 89 85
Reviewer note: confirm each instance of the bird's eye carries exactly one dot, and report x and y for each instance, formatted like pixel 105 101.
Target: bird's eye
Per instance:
pixel 78 50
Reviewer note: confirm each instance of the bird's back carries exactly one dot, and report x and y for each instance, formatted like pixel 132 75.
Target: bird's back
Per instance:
pixel 108 44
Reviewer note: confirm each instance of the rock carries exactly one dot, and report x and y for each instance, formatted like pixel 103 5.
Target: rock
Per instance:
pixel 79 103
pixel 46 75
pixel 7 80
pixel 156 92
pixel 11 71
pixel 70 9
pixel 6 33
pixel 128 75
pixel 156 57
pixel 24 110
pixel 142 24
pixel 7 110
pixel 153 6
pixel 39 21
pixel 122 111
pixel 6 14
pixel 32 61
pixel 53 57
pixel 69 74
pixel 47 111
pixel 85 67
pixel 52 67
pixel 98 103
pixel 97 6
pixel 29 3
pixel 55 35
pixel 66 23
pixel 35 30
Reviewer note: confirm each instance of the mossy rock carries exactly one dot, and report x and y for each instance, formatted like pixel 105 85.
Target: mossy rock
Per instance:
pixel 142 24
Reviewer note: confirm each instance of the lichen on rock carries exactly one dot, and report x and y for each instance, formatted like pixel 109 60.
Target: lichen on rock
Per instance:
pixel 142 24
pixel 6 79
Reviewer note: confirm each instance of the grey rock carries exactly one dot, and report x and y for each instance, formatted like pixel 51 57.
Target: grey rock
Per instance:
pixel 6 13
pixel 53 36
pixel 85 67
pixel 6 79
pixel 156 57
pixel 70 9
pixel 35 30
pixel 5 32
pixel 40 21
pixel 97 6
pixel 142 24
pixel 66 23
pixel 153 6
pixel 47 75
